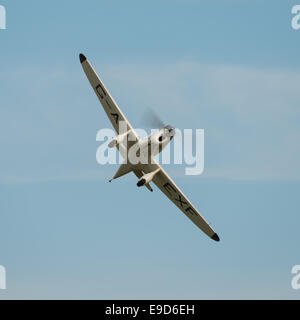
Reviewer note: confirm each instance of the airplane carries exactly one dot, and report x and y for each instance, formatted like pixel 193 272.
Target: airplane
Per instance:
pixel 146 171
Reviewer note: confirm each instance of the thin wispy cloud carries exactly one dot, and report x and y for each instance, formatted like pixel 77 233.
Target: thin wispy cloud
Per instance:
pixel 250 116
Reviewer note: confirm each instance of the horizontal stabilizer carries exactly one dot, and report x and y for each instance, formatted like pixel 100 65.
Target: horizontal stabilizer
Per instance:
pixel 123 169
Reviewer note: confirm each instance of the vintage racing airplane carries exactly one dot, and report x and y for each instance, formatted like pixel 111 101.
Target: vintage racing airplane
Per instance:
pixel 146 171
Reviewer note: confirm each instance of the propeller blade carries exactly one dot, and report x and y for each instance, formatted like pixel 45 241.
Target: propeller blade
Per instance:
pixel 151 119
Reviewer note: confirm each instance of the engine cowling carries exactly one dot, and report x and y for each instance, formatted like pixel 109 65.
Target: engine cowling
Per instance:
pixel 145 179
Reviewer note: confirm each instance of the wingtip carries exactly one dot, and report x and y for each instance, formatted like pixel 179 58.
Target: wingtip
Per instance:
pixel 82 57
pixel 215 237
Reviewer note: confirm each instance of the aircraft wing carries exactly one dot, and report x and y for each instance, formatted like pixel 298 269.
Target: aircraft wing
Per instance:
pixel 111 108
pixel 170 189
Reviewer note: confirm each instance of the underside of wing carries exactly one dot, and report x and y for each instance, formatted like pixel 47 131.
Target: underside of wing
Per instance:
pixel 111 108
pixel 169 188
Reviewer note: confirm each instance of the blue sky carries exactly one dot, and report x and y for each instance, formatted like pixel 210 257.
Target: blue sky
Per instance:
pixel 230 67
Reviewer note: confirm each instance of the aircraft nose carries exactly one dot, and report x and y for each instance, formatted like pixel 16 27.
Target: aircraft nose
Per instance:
pixel 172 131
